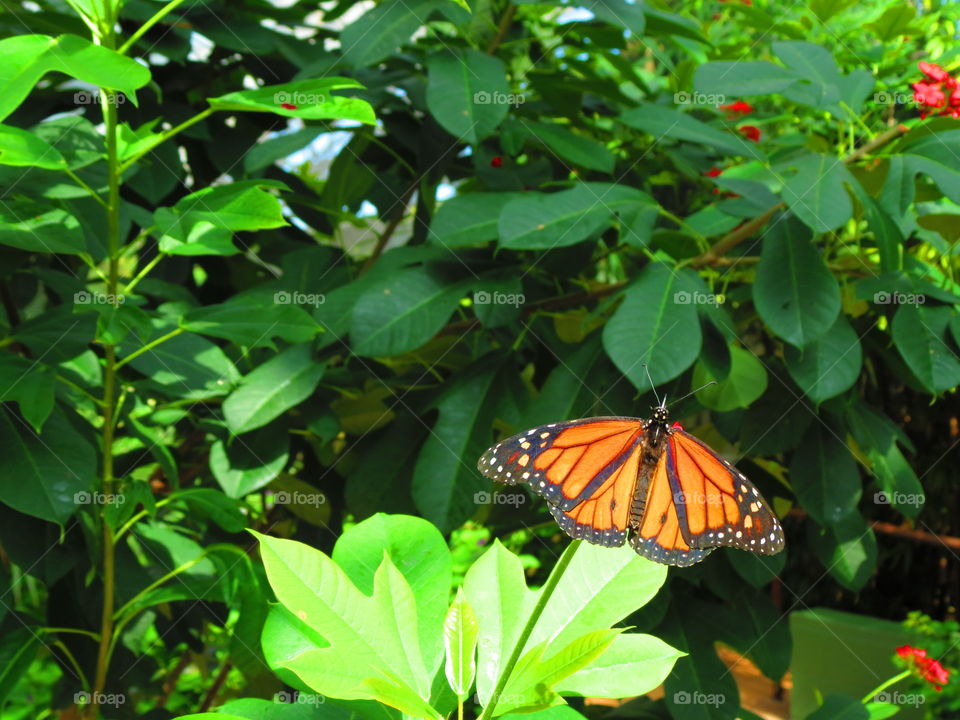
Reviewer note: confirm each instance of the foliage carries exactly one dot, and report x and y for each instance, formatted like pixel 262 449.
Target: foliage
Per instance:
pixel 209 328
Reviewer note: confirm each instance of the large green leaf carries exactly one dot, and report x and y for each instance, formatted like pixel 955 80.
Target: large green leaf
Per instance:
pixel 27 58
pixel 816 194
pixel 30 385
pixel 468 219
pixel 824 475
pixel 664 122
pixel 273 388
pixel 30 226
pixel 656 325
pixel 312 99
pixel 848 550
pixel 374 650
pixel 381 30
pixel 250 322
pixel 24 149
pixel 920 335
pixel 578 150
pixel 742 78
pixel 633 665
pixel 745 382
pixel 47 475
pixel 829 365
pixel 795 293
pixel 404 310
pixel 468 93
pixel 460 633
pixel 245 464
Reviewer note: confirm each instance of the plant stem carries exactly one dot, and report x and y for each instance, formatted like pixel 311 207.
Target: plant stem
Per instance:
pixel 158 16
pixel 518 649
pixel 93 193
pixel 166 135
pixel 883 686
pixel 143 273
pixel 149 346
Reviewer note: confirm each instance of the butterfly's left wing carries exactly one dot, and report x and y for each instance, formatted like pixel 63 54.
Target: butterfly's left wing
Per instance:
pixel 586 469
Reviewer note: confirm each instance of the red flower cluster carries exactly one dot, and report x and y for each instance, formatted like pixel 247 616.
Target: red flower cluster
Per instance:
pixel 940 93
pixel 496 161
pixel 751 132
pixel 928 668
pixel 739 107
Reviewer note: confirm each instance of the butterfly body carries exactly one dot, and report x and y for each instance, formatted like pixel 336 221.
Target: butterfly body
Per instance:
pixel 607 478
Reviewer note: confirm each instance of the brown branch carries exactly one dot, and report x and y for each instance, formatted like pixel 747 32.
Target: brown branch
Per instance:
pixel 738 235
pixel 502 27
pixel 900 531
pixel 391 227
pixel 216 687
pixel 170 681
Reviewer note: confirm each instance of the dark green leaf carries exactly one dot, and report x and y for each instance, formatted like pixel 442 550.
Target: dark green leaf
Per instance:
pixel 467 93
pixel 829 365
pixel 824 475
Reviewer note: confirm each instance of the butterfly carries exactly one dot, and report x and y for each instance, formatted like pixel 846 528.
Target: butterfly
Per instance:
pixel 605 477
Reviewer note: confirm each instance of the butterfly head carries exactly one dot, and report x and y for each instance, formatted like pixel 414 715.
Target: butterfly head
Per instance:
pixel 660 413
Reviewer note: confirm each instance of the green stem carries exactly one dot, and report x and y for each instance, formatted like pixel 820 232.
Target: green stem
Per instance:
pixel 143 273
pixel 883 686
pixel 145 28
pixel 149 346
pixel 166 135
pixel 518 649
pixel 73 661
pixel 136 518
pixel 74 631
pixel 93 193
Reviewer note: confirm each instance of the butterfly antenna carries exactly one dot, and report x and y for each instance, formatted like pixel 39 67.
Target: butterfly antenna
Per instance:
pixel 693 392
pixel 647 368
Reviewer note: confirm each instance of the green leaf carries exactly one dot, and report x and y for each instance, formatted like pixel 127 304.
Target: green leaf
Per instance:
pixel 795 293
pixel 420 553
pixel 920 335
pixel 308 99
pixel 656 324
pixel 824 475
pixel 203 222
pixel 460 633
pixel 816 193
pixel 828 366
pixel 848 550
pixel 249 463
pixel 404 310
pixel 578 150
pixel 468 219
pixel 739 78
pixel 380 31
pixel 894 23
pixel 45 475
pixel 27 58
pixel 213 504
pixel 31 226
pixel 746 381
pixel 24 149
pixel 634 665
pixel 886 232
pixel 468 93
pixel 551 220
pixel 30 385
pixel 273 388
pixel 444 478
pixel 18 649
pixel 252 323
pixel 374 651
pixel 664 122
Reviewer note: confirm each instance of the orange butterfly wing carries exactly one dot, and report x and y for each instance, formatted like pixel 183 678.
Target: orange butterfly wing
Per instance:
pixel 586 470
pixel 697 501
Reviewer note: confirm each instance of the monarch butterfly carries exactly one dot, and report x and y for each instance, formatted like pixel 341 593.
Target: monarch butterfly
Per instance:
pixel 603 476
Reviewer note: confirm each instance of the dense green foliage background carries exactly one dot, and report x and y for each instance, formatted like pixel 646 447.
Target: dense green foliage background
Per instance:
pixel 334 252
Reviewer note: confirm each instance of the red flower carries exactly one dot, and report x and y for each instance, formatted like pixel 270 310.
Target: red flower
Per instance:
pixel 496 161
pixel 934 72
pixel 752 132
pixel 288 106
pixel 926 667
pixel 744 108
pixel 713 172
pixel 928 94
